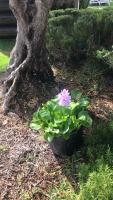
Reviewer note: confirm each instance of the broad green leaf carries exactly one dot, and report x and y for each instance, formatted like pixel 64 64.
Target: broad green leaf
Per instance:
pixel 85 119
pixel 55 131
pixel 56 120
pixel 50 138
pixel 35 115
pixel 48 129
pixel 51 106
pixel 73 105
pixel 82 117
pixel 84 102
pixel 66 129
pixel 35 126
pixel 75 94
pixel 89 121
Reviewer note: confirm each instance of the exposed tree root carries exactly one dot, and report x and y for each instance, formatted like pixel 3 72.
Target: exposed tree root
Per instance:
pixel 11 84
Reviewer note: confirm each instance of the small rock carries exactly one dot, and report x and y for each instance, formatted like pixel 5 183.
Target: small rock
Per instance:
pixel 5 122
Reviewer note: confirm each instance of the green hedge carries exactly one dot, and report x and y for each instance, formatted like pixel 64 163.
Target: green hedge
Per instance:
pixel 74 33
pixel 84 3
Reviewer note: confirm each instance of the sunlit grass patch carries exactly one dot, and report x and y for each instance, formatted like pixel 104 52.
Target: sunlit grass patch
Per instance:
pixel 4 59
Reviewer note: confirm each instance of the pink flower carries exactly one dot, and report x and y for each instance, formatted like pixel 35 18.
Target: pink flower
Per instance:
pixel 64 98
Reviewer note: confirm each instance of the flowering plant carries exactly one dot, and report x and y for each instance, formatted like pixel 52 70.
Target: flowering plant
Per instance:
pixel 62 115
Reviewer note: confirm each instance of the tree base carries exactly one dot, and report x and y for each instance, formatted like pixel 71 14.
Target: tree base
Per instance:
pixel 29 58
pixel 28 94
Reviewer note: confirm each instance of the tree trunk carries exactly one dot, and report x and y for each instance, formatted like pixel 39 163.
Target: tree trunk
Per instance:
pixel 28 58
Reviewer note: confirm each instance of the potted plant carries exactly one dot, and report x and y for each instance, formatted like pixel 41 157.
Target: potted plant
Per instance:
pixel 62 120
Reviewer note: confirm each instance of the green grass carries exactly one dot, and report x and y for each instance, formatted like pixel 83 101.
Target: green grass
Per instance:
pixel 5 49
pixel 94 175
pixel 4 59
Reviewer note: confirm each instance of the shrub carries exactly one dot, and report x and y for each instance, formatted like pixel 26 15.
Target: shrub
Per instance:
pixel 106 56
pixel 75 33
pixel 84 3
pixel 98 186
pixel 95 175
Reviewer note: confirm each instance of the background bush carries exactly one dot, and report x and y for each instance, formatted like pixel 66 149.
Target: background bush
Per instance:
pixel 84 3
pixel 73 34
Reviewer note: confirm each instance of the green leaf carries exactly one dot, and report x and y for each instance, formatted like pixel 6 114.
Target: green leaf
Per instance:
pixel 84 102
pixel 66 129
pixel 75 94
pixel 50 138
pixel 48 129
pixel 73 105
pixel 35 126
pixel 51 105
pixel 55 131
pixel 85 119
pixel 58 121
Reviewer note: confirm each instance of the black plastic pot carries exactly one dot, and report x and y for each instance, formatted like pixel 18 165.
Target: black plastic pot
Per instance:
pixel 62 147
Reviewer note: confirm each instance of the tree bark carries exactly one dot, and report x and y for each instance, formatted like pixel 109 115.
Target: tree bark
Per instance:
pixel 29 56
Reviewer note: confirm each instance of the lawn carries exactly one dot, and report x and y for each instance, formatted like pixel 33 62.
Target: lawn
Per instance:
pixel 5 48
pixel 33 172
pixel 4 59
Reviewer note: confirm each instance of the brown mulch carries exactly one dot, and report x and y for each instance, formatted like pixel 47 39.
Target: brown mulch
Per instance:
pixel 28 167
pixel 26 164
